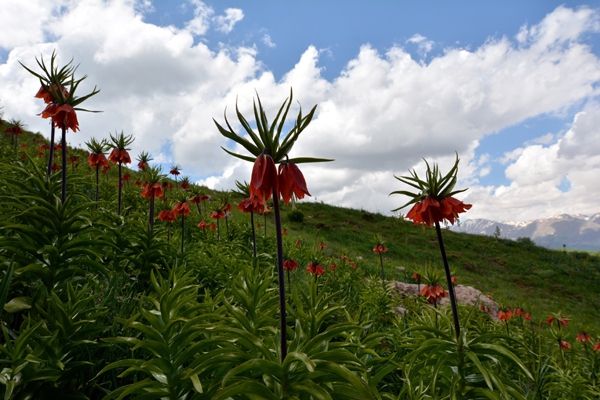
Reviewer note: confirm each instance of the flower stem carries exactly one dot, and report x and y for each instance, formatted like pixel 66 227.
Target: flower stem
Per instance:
pixel 218 231
pixel 227 227
pixel 97 184
pixel 280 275
pixel 253 232
pixel 182 233
pixel 382 273
pixel 120 189
pixel 64 164
pixel 448 280
pixel 51 155
pixel 151 214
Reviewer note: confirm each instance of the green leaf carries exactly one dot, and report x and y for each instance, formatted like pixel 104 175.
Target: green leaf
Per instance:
pixel 18 304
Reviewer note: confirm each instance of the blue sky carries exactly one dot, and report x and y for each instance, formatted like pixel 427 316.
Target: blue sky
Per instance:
pixel 510 85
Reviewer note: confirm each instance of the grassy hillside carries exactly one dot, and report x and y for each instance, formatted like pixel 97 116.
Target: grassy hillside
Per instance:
pixel 96 304
pixel 515 273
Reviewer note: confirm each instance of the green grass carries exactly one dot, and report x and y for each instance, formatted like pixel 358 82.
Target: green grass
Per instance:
pixel 515 273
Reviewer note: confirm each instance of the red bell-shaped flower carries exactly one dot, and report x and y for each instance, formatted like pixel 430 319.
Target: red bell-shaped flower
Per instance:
pixel 264 178
pixel 167 216
pixel 181 208
pixel 119 156
pixel 291 182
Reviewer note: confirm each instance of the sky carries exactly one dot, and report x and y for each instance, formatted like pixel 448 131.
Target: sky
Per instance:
pixel 512 87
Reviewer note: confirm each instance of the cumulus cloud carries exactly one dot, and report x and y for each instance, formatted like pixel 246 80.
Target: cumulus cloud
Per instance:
pixel 201 21
pixel 424 45
pixel 266 39
pixel 383 113
pixel 537 172
pixel 226 22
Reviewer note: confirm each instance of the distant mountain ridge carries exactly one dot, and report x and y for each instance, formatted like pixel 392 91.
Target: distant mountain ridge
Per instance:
pixel 574 231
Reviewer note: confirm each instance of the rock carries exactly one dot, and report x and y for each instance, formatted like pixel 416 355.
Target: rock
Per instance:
pixel 400 311
pixel 466 295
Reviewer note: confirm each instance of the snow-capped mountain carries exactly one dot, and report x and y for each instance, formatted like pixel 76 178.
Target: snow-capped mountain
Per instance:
pixel 574 231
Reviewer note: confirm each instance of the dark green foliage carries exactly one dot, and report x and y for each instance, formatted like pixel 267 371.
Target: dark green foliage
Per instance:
pixel 296 216
pixel 98 306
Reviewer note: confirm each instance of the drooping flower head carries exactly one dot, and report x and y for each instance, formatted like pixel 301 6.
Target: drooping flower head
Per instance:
pixel 153 187
pixel 175 170
pixel 167 216
pixel 584 337
pixel 185 183
pixel 119 144
pixel 316 269
pixel 61 103
pixel 15 127
pixel 379 248
pixel 181 208
pixel 290 265
pixel 564 345
pixel 291 182
pixel 561 320
pixel 504 315
pixel 270 147
pixel 519 311
pixel 433 293
pixel 264 178
pixel 143 160
pixel 433 202
pixel 97 158
pixel 249 205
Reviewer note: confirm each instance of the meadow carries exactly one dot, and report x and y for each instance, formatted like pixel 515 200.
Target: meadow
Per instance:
pixel 99 303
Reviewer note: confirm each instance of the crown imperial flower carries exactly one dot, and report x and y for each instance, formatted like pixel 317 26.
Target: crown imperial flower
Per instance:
pixel 434 201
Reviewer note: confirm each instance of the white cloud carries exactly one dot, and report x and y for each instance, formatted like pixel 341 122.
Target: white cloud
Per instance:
pixel 202 14
pixel 378 118
pixel 266 39
pixel 226 22
pixel 424 45
pixel 537 172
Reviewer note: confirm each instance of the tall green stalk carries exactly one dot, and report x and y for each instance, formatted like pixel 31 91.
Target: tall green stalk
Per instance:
pixel 448 280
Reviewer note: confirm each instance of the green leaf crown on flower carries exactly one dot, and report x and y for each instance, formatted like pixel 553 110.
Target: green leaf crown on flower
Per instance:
pixel 435 185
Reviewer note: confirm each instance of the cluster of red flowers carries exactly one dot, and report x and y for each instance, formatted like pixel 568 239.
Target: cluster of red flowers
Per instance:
pixel 118 156
pixel 98 160
pixel 352 263
pixel 221 212
pixel 318 270
pixel 249 205
pixel 561 321
pixel 181 208
pixel 152 190
pixel 290 265
pixel 379 249
pixel 434 292
pixel 507 314
pixel 430 210
pixel 504 315
pixel 203 225
pixel 287 182
pixel 167 216
pixel 62 115
pixel 584 337
pixel 564 344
